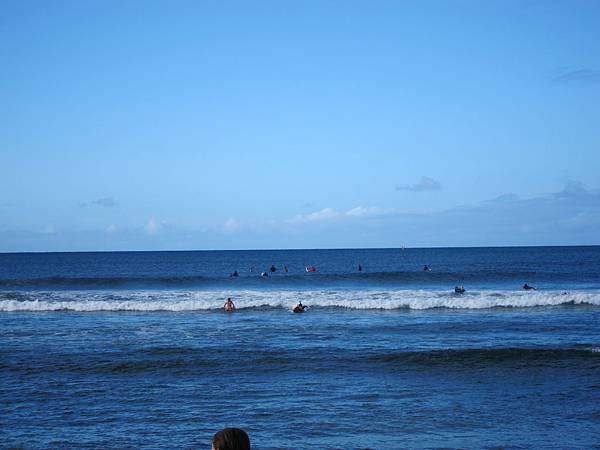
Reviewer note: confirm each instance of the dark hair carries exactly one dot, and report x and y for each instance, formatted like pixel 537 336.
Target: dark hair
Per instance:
pixel 231 439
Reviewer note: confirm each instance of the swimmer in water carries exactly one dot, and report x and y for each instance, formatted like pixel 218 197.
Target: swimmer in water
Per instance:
pixel 228 306
pixel 300 308
pixel 459 290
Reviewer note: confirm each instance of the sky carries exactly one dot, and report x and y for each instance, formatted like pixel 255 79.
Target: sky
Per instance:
pixel 155 125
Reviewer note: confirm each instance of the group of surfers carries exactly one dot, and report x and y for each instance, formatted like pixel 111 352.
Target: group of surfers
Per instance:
pixel 462 290
pixel 300 308
pixel 229 306
pixel 273 269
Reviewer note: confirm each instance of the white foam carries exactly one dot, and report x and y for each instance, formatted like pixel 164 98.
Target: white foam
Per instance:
pixel 352 299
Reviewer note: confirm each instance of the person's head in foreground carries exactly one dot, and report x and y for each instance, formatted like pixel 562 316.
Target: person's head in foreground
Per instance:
pixel 231 439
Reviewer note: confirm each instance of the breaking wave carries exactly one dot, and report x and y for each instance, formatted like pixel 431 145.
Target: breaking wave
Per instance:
pixel 178 301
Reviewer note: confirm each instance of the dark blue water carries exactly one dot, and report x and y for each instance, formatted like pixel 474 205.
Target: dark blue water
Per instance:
pixel 555 267
pixel 117 350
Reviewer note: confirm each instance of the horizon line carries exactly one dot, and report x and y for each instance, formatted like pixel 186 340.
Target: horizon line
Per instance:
pixel 295 249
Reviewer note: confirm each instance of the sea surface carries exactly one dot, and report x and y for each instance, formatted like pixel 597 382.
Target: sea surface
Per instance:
pixel 132 349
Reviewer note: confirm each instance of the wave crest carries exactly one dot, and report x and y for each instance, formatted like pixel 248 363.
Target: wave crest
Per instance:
pixel 178 301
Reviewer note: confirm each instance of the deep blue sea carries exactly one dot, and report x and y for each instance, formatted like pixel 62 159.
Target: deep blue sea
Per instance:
pixel 132 349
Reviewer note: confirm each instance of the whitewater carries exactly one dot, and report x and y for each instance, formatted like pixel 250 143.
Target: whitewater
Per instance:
pixel 179 301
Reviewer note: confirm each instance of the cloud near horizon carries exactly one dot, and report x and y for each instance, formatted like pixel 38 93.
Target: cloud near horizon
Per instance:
pixel 370 211
pixel 567 217
pixel 425 184
pixel 104 202
pixel 330 214
pixel 152 227
pixel 570 216
pixel 231 225
pixel 317 216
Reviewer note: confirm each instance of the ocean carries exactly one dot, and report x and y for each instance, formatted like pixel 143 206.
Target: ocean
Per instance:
pixel 132 349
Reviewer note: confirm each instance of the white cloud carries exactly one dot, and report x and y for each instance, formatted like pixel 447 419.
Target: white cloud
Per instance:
pixel 152 227
pixel 370 211
pixel 318 216
pixel 231 225
pixel 330 214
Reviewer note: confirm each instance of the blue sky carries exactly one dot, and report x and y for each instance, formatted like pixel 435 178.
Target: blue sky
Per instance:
pixel 225 125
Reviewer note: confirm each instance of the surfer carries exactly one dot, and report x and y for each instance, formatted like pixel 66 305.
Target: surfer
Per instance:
pixel 228 306
pixel 528 288
pixel 311 269
pixel 426 268
pixel 359 268
pixel 285 269
pixel 273 268
pixel 234 274
pixel 300 308
pixel 264 274
pixel 459 290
